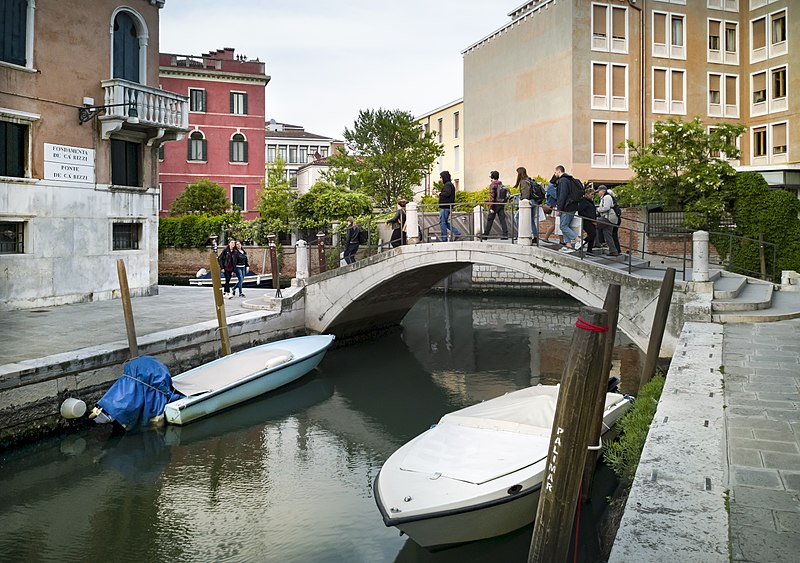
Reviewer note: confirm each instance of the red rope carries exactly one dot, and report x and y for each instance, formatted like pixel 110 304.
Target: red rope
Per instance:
pixel 580 323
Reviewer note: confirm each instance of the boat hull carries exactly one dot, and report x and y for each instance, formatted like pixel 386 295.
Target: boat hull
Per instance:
pixel 190 409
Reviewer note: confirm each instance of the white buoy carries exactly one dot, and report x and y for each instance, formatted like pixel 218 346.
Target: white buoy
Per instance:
pixel 73 408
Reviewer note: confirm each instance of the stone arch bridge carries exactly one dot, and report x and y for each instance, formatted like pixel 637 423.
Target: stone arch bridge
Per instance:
pixel 378 291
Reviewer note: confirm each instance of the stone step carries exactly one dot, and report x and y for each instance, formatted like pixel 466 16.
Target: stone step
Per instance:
pixel 752 297
pixel 619 262
pixel 729 286
pixel 785 306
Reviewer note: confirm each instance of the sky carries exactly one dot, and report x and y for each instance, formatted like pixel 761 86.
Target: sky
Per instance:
pixel 328 60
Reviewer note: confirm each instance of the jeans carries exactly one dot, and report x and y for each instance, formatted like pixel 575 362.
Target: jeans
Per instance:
pixel 240 271
pixel 227 275
pixel 350 253
pixel 566 230
pixel 444 223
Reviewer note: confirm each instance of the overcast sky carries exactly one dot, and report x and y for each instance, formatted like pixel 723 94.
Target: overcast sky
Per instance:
pixel 327 60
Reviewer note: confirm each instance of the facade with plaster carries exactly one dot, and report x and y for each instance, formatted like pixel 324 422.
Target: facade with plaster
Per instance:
pixel 447 124
pixel 82 118
pixel 567 81
pixel 225 143
pixel 297 148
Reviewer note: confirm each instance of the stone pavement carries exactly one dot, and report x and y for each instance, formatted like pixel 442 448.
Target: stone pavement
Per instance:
pixel 762 395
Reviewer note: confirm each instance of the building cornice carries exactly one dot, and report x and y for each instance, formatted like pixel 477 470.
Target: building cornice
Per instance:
pixel 533 10
pixel 173 72
pixel 439 109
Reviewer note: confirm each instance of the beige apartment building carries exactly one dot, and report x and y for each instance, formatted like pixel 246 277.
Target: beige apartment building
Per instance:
pixel 567 81
pixel 82 116
pixel 447 124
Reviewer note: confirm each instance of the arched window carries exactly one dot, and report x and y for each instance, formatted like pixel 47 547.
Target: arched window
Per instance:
pixel 126 48
pixel 238 148
pixel 197 147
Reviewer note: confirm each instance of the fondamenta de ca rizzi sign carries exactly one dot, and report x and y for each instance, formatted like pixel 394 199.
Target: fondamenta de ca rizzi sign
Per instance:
pixel 68 164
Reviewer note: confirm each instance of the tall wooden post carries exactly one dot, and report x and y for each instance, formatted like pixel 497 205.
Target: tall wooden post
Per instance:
pixel 219 302
pixel 761 258
pixel 273 261
pixel 657 331
pixel 566 458
pixel 611 305
pixel 321 252
pixel 127 308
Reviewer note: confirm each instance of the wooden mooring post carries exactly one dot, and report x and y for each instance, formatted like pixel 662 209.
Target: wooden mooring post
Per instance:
pixel 219 302
pixel 127 308
pixel 657 331
pixel 611 305
pixel 566 458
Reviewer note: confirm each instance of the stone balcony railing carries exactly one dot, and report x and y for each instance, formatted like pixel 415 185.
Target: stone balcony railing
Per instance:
pixel 154 108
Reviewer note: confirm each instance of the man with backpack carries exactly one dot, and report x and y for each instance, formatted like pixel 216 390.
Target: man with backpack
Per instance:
pixel 609 218
pixel 352 240
pixel 498 197
pixel 447 198
pixel 570 192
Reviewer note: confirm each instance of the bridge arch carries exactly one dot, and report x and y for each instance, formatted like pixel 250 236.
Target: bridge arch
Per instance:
pixel 378 291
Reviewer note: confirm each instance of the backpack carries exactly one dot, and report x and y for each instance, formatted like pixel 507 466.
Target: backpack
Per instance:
pixel 537 191
pixel 363 236
pixel 616 209
pixel 503 193
pixel 576 191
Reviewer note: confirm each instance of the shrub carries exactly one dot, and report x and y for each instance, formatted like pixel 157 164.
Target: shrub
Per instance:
pixel 193 231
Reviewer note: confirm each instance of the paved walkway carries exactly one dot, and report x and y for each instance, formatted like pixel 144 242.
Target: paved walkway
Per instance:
pixel 762 394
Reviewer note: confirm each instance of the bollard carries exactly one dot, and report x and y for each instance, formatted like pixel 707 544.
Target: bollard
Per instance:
pixel 321 252
pixel 273 264
pixel 477 222
pixel 566 458
pixel 412 223
pixel 525 234
pixel 301 269
pixel 700 256
pixel 335 233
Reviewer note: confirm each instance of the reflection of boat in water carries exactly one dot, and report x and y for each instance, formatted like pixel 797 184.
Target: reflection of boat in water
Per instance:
pixel 289 399
pixel 478 472
pixel 203 277
pixel 146 391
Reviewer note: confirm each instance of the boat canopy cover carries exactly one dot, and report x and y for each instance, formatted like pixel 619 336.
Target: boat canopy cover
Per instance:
pixel 140 394
pixel 229 369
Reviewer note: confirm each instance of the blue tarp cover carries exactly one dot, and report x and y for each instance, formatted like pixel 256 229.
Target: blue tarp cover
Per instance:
pixel 140 394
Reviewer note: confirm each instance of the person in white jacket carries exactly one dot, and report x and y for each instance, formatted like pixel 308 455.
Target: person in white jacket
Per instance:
pixel 607 220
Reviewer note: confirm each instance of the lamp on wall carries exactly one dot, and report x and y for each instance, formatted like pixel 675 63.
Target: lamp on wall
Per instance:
pixel 89 112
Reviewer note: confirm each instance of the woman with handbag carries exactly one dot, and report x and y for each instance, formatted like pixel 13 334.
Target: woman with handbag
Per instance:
pixel 399 224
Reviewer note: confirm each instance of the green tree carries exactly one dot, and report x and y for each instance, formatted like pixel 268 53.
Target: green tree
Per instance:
pixel 275 200
pixel 388 154
pixel 326 202
pixel 682 166
pixel 201 197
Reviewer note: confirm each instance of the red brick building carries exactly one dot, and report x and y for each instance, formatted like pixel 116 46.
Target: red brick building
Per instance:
pixel 225 142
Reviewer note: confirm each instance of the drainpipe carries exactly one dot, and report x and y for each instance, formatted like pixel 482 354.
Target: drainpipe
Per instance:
pixel 642 43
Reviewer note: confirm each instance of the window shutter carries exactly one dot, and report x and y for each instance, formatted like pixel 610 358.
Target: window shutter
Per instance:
pixel 203 101
pixel 189 144
pixel 230 151
pixel 244 144
pixel 204 145
pixel 244 96
pixel 231 95
pixel 13 31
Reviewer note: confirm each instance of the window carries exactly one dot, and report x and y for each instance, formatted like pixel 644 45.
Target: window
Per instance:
pixel 669 91
pixel 293 154
pixel 759 142
pixel 238 148
pixel 125 163
pixel 723 95
pixel 271 154
pixel 669 35
pixel 126 236
pixel 323 151
pixel 456 158
pixel 721 155
pixel 609 86
pixel 456 125
pixel 126 48
pixel 15 24
pixel 779 141
pixel 778 34
pixel 197 100
pixel 197 147
pixel 731 37
pixel 778 83
pixel 713 38
pixel 728 5
pixel 282 153
pixel 770 143
pixel 439 136
pixel 613 19
pixel 303 158
pixel 239 103
pixel 608 144
pixel 769 91
pixel 161 152
pixel 12 235
pixel 238 197
pixel 723 42
pixel 14 147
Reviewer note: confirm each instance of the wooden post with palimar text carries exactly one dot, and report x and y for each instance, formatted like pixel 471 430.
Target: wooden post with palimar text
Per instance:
pixel 657 331
pixel 219 303
pixel 127 308
pixel 566 456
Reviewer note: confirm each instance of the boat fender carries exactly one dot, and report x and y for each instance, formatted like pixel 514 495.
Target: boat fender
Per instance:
pixel 514 490
pixel 73 408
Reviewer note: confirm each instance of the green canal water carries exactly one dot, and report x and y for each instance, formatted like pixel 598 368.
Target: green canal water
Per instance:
pixel 287 477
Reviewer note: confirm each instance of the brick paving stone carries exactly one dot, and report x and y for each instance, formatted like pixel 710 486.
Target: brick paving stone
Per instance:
pixel 775 435
pixel 788 522
pixel 741 432
pixel 780 460
pixel 763 478
pixel 792 395
pixel 756 544
pixel 780 405
pixel 789 447
pixel 764 498
pixel 762 424
pixel 746 411
pixel 745 457
pixel 758 517
pixel 791 479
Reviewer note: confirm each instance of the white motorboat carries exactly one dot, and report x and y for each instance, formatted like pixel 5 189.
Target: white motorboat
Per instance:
pixel 478 472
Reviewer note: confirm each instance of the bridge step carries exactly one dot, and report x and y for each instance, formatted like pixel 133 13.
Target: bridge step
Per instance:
pixel 752 297
pixel 728 286
pixel 785 305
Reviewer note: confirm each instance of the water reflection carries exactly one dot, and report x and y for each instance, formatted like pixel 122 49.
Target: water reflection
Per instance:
pixel 286 477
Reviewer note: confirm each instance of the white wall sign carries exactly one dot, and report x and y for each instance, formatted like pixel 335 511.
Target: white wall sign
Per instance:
pixel 68 164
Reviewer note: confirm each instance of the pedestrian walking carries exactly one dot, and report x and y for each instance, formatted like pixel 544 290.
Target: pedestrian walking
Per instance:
pixel 607 220
pixel 533 191
pixel 352 240
pixel 588 212
pixel 242 263
pixel 447 198
pixel 399 224
pixel 567 207
pixel 227 264
pixel 498 196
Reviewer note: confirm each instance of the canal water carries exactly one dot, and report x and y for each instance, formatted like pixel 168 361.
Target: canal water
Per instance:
pixel 287 478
